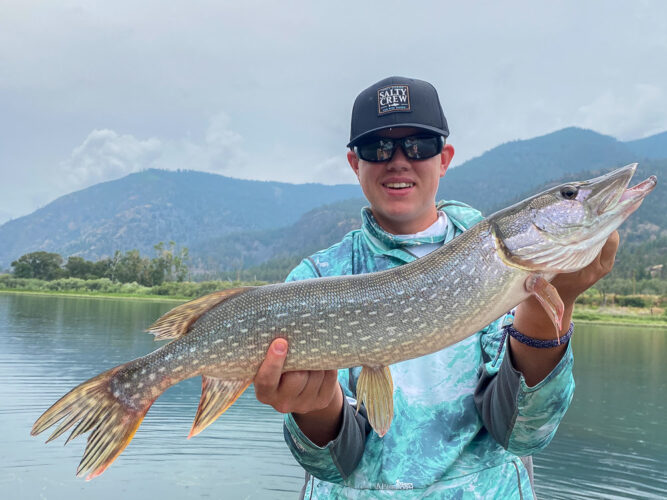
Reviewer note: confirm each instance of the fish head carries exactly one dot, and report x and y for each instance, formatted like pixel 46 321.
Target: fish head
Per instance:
pixel 564 228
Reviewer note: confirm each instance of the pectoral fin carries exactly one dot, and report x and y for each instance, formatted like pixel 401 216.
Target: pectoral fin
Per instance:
pixel 216 396
pixel 375 390
pixel 548 297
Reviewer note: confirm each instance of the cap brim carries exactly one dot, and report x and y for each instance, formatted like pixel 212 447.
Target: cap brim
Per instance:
pixel 400 125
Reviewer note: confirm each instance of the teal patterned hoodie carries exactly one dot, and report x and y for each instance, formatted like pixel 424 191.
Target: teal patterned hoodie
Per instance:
pixel 462 416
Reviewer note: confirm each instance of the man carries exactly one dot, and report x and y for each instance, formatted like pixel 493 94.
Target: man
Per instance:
pixel 463 415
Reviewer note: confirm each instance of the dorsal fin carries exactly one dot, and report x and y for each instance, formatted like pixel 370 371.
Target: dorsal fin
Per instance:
pixel 180 319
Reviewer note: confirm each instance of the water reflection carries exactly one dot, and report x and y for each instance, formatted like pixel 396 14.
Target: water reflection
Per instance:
pixel 611 444
pixel 50 344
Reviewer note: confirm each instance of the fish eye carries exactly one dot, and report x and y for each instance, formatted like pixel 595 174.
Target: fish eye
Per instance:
pixel 569 192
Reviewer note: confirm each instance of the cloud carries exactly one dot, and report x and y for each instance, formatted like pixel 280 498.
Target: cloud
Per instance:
pixel 106 154
pixel 626 114
pixel 333 170
pixel 221 150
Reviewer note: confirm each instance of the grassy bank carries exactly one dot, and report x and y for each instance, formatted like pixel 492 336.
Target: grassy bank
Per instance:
pixel 98 295
pixel 104 287
pixel 654 317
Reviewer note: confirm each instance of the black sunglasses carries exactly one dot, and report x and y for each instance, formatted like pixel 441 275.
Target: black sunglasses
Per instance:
pixel 415 147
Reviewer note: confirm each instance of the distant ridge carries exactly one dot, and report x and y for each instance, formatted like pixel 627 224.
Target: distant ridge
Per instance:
pixel 143 208
pixel 231 223
pixel 652 148
pixel 518 166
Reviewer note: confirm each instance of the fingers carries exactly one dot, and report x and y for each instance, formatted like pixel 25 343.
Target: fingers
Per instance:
pixel 306 398
pixel 608 252
pixel 267 378
pixel 318 391
pixel 292 392
pixel 329 386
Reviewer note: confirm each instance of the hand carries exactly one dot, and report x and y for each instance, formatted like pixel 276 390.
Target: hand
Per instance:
pixel 571 285
pixel 294 392
pixel 531 319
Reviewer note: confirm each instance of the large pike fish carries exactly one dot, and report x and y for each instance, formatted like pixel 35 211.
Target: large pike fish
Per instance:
pixel 370 320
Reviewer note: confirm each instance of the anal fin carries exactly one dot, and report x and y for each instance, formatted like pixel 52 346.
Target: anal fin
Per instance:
pixel 375 390
pixel 548 297
pixel 216 396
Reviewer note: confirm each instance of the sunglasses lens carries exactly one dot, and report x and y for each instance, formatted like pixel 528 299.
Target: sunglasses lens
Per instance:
pixel 415 148
pixel 418 148
pixel 379 150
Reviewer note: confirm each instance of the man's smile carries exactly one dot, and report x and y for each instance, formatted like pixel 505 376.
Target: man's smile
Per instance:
pixel 396 185
pixel 399 185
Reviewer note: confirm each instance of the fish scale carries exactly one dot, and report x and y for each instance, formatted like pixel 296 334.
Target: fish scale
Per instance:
pixel 371 320
pixel 353 317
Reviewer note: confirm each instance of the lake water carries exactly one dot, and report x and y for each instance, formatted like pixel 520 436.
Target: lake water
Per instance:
pixel 612 443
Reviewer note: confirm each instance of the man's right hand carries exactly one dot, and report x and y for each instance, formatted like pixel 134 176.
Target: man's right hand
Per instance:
pixel 314 397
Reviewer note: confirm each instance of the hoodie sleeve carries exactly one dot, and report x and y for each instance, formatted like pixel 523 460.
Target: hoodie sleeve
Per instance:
pixel 522 419
pixel 335 461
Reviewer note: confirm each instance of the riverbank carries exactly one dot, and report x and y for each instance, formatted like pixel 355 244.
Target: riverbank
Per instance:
pixel 654 317
pixel 99 295
pixel 612 315
pixel 104 287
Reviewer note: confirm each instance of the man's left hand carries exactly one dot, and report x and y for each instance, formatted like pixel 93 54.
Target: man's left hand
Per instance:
pixel 571 285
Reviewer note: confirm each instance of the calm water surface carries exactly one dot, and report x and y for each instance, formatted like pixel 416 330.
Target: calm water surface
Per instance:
pixel 612 444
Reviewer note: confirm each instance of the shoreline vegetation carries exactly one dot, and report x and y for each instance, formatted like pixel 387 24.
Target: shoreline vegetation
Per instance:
pixel 592 307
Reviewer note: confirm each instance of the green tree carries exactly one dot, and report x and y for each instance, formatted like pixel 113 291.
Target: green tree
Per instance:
pixel 170 264
pixel 102 268
pixel 41 265
pixel 78 267
pixel 131 267
pixel 181 260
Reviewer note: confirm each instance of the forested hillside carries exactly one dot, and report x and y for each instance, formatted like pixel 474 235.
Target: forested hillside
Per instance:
pixel 141 209
pixel 260 229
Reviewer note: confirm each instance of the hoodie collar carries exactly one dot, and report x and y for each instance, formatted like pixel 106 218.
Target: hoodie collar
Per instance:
pixel 392 245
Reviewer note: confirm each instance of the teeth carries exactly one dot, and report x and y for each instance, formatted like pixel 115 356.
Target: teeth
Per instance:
pixel 397 185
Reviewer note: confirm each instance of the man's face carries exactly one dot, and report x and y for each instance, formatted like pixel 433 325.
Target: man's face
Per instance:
pixel 398 208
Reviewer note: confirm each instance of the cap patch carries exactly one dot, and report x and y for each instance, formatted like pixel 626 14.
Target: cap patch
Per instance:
pixel 393 98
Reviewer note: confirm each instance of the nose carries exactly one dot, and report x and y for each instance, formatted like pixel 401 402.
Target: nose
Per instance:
pixel 399 161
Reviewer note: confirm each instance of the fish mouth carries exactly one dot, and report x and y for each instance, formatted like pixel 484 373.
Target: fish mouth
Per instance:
pixel 632 197
pixel 610 192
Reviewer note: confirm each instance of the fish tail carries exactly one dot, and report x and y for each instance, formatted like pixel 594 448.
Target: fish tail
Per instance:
pixel 95 406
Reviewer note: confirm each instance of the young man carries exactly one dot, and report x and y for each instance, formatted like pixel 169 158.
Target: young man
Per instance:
pixel 462 416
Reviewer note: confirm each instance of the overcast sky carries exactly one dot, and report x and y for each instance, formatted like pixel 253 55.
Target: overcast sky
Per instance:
pixel 94 90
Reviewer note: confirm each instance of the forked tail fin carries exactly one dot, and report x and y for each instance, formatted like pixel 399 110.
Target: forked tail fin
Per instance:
pixel 96 408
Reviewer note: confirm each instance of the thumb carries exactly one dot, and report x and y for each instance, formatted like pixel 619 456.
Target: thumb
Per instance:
pixel 268 375
pixel 278 348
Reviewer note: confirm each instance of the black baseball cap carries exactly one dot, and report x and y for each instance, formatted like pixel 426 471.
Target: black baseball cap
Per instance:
pixel 397 102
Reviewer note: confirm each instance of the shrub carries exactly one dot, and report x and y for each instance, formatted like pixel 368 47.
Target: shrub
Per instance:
pixel 633 301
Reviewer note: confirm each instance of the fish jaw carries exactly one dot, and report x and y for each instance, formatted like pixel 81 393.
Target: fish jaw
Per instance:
pixel 550 233
pixel 633 197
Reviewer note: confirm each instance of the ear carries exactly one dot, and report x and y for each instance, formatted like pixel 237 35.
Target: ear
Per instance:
pixel 353 160
pixel 446 158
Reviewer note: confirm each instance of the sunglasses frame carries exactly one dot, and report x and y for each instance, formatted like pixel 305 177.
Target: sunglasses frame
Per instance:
pixel 401 142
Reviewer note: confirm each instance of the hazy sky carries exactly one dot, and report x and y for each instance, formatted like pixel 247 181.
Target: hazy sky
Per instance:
pixel 93 90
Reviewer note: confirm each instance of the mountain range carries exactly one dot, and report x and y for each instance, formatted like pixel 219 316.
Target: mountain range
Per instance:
pixel 144 208
pixel 231 224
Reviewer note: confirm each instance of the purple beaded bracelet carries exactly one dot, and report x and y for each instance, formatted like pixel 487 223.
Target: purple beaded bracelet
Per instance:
pixel 532 342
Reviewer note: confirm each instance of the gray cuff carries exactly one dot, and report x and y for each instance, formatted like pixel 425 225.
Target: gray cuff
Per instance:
pixel 348 447
pixel 496 399
pixel 344 451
